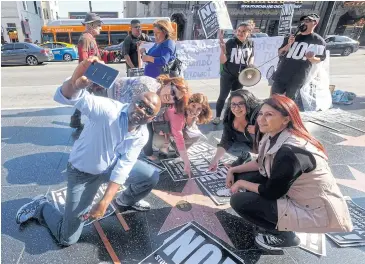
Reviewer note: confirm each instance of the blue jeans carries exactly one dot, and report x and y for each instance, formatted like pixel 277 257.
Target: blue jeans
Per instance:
pixel 81 190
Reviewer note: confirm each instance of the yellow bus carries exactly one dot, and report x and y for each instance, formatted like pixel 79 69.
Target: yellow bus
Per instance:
pixel 113 30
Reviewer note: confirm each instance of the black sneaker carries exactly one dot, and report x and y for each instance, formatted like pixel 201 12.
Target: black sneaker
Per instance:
pixel 76 122
pixel 277 242
pixel 29 210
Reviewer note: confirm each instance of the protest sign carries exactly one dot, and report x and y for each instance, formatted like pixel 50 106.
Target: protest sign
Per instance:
pixel 357 236
pixel 208 151
pixel 59 200
pixel 192 245
pixel 213 183
pixel 199 167
pixel 214 16
pixel 314 243
pixel 286 17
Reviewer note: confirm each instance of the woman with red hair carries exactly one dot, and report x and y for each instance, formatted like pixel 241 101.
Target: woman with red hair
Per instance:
pixel 290 187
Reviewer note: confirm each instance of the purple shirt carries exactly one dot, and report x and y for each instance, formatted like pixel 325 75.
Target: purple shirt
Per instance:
pixel 163 54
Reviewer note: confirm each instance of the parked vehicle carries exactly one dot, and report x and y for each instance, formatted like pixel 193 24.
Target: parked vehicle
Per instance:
pixel 118 50
pixel 341 45
pixel 24 53
pixel 62 51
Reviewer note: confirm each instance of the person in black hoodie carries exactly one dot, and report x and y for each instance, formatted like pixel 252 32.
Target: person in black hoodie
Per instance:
pixel 239 127
pixel 236 55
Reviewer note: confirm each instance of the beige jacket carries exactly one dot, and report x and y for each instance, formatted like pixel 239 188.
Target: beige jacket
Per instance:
pixel 314 203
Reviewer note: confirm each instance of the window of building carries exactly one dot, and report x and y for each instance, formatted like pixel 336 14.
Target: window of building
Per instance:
pixel 45 13
pixel 39 12
pixel 62 37
pixel 11 25
pixel 102 39
pixel 75 36
pixel 117 37
pixel 35 7
pixel 25 5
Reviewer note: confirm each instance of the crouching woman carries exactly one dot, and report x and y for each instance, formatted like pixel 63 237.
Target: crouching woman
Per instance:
pixel 290 186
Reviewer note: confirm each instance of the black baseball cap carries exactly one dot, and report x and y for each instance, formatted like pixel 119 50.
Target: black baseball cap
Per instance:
pixel 91 17
pixel 312 16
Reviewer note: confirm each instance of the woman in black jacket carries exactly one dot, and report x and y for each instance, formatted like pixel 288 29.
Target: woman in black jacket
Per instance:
pixel 239 126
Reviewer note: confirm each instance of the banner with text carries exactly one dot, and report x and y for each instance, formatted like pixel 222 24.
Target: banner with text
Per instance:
pixel 286 17
pixel 201 57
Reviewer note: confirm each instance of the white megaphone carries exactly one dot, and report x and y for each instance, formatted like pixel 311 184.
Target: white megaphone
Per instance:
pixel 249 77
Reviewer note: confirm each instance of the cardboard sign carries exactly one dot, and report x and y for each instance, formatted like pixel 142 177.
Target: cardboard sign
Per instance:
pixel 314 243
pixel 213 183
pixel 199 167
pixel 191 245
pixel 59 200
pixel 286 17
pixel 214 16
pixel 357 236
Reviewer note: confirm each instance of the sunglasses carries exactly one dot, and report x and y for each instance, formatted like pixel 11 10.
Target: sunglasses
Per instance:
pixel 137 27
pixel 239 105
pixel 307 20
pixel 148 110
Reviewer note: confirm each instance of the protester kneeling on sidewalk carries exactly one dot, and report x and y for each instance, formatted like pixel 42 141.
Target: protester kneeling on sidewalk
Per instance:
pixel 238 128
pixel 290 186
pixel 106 152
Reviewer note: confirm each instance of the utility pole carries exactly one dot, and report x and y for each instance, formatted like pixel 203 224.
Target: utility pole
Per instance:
pixel 90 7
pixel 326 18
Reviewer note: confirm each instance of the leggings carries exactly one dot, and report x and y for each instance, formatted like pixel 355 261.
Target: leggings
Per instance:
pixel 228 83
pixel 252 207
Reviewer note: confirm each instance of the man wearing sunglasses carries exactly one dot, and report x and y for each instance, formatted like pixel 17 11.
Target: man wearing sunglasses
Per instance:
pixel 298 53
pixel 106 152
pixel 131 42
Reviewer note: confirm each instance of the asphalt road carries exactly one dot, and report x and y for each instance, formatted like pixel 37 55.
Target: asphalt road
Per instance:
pixel 33 87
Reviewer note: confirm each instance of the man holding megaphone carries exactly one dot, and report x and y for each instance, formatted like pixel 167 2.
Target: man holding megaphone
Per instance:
pixel 298 53
pixel 236 55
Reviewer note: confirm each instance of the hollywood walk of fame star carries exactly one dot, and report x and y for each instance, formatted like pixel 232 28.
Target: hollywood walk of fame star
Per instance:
pixel 358 183
pixel 351 141
pixel 192 205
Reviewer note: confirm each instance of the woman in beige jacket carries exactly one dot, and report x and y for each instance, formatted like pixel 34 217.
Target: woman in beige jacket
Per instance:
pixel 290 186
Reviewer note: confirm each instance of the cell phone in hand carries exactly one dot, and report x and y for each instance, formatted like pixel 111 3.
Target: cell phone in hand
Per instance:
pixel 101 74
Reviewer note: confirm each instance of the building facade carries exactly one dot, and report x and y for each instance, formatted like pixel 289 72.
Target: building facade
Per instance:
pixel 265 14
pixel 79 9
pixel 21 21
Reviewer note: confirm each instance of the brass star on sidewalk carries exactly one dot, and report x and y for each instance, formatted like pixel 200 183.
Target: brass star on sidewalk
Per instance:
pixel 351 141
pixel 192 205
pixel 358 183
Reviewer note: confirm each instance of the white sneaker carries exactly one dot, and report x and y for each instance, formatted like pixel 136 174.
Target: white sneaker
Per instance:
pixel 141 205
pixel 224 192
